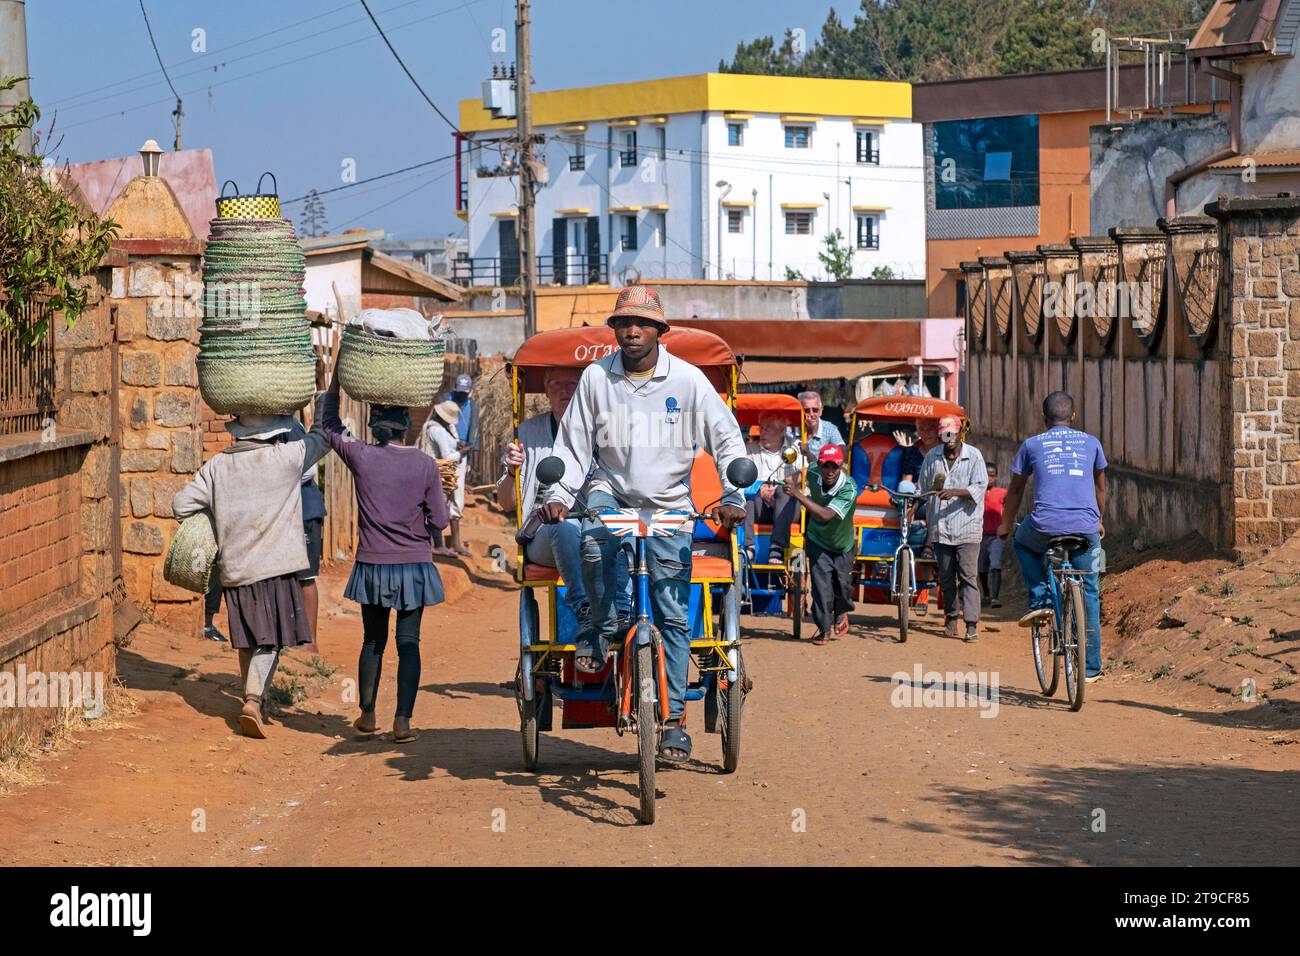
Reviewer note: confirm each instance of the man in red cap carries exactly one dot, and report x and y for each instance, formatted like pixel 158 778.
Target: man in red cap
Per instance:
pixel 830 545
pixel 639 416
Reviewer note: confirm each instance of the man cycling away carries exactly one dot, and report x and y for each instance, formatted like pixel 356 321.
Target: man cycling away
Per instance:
pixel 1069 471
pixel 641 414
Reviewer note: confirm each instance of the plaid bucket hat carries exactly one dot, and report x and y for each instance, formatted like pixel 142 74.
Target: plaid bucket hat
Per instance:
pixel 641 302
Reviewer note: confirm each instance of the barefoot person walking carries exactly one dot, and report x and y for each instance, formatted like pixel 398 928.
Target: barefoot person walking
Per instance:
pixel 252 490
pixel 399 502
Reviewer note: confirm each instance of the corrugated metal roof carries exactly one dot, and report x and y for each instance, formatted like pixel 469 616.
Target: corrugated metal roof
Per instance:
pixel 1265 159
pixel 1238 28
pixel 1288 27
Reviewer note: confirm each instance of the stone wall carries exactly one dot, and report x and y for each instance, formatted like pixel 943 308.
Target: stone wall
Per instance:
pixel 158 308
pixel 1262 283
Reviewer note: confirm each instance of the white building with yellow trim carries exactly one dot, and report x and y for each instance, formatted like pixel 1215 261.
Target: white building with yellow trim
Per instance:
pixel 715 175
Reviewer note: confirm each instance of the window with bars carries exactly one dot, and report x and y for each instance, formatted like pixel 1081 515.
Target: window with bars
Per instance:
pixel 26 371
pixel 868 147
pixel 735 220
pixel 578 161
pixel 868 233
pixel 661 142
pixel 798 222
pixel 627 240
pixel 798 137
pixel 627 156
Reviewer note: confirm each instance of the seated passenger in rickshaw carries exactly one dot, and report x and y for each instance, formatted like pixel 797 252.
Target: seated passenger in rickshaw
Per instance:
pixel 766 501
pixel 552 545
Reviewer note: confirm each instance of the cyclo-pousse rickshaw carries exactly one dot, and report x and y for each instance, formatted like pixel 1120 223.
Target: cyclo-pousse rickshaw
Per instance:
pixel 630 694
pixel 886 569
pixel 777 587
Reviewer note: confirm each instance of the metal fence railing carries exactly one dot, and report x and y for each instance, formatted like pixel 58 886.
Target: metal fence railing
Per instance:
pixel 26 371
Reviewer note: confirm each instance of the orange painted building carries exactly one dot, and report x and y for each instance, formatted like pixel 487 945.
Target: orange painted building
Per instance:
pixel 1008 165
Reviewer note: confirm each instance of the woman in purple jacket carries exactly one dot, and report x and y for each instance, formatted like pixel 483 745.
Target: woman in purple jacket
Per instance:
pixel 399 502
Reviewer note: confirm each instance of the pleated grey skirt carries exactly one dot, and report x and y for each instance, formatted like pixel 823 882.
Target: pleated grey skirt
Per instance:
pixel 400 586
pixel 268 613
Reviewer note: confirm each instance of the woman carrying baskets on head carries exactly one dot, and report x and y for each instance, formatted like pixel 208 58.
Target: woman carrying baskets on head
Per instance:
pixel 252 490
pixel 399 501
pixel 440 441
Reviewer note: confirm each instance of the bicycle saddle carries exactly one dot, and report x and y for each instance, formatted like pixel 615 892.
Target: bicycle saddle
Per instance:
pixel 1069 543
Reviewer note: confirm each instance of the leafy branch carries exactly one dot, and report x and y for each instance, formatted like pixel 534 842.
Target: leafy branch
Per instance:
pixel 47 243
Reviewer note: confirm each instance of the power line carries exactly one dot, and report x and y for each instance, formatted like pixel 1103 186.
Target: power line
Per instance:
pixel 101 87
pixel 178 113
pixel 155 50
pixel 312 55
pixel 362 182
pixel 369 212
pixel 408 73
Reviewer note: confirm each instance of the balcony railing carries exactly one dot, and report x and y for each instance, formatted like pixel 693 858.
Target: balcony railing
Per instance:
pixel 551 270
pixel 627 157
pixel 577 163
pixel 869 156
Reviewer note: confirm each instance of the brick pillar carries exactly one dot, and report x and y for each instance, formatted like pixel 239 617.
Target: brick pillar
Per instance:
pixel 159 312
pixel 1260 302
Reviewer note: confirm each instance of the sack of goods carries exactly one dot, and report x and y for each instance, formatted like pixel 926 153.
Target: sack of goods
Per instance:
pixel 255 348
pixel 391 357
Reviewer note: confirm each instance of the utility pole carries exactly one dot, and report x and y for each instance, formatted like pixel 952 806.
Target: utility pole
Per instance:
pixel 179 114
pixel 13 58
pixel 527 170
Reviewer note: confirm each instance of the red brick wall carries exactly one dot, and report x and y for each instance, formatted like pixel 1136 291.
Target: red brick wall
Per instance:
pixel 215 436
pixel 40 532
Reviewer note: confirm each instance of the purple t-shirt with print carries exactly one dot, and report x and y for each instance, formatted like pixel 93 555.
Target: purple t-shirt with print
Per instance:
pixel 1062 461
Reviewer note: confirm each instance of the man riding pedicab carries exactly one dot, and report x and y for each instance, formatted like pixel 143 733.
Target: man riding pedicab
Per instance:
pixel 641 414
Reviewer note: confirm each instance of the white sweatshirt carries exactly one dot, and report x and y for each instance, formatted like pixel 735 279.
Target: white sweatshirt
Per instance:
pixel 644 434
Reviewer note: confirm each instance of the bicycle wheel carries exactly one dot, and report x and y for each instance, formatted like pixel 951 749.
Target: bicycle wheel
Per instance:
pixel 732 702
pixel 647 731
pixel 903 577
pixel 530 728
pixel 1074 635
pixel 1040 640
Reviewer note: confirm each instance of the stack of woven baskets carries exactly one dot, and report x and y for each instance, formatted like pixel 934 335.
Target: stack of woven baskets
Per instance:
pixel 255 349
pixel 390 371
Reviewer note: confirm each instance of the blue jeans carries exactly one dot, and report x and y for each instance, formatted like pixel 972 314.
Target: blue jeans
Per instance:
pixel 1030 547
pixel 560 546
pixel 669 563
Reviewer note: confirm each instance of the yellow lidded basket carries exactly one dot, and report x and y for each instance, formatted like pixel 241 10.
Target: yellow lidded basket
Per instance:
pixel 258 205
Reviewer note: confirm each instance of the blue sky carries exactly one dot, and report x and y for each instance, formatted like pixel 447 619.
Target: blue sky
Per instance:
pixel 290 103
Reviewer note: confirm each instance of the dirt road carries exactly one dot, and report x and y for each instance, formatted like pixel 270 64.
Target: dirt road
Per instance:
pixel 832 771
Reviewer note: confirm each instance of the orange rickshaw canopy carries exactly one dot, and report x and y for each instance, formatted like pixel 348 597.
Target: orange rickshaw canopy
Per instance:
pixel 906 409
pixel 751 406
pixel 579 347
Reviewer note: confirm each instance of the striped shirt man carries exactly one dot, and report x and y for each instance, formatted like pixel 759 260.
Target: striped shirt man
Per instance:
pixel 956 520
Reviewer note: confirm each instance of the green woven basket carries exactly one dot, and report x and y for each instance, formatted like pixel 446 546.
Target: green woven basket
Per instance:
pixel 192 553
pixel 387 371
pixel 256 384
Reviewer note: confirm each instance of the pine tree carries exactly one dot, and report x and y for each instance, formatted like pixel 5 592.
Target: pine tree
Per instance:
pixel 314 222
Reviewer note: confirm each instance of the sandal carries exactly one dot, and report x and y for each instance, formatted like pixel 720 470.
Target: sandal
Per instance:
pixel 590 655
pixel 841 627
pixel 251 722
pixel 821 640
pixel 364 731
pixel 674 743
pixel 405 738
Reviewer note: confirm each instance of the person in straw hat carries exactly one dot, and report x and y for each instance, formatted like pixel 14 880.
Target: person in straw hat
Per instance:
pixel 252 490
pixel 399 502
pixel 642 390
pixel 438 440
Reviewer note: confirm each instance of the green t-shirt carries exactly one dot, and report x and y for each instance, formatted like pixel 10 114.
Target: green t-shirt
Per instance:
pixel 835 535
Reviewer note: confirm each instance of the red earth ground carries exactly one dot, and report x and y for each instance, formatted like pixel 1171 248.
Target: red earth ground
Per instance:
pixel 1153 770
